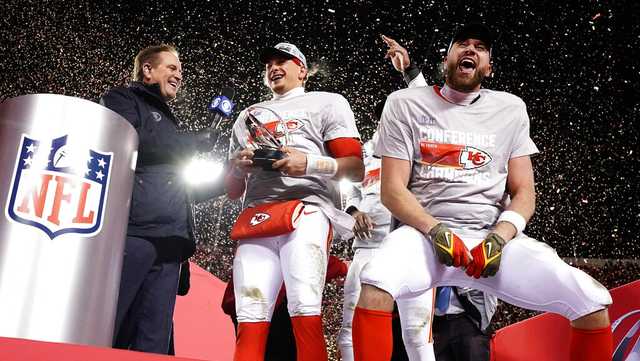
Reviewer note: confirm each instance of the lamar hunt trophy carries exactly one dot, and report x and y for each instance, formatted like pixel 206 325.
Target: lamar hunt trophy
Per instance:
pixel 266 128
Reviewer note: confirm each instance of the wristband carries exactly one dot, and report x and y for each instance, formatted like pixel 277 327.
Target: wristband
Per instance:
pixel 514 218
pixel 410 73
pixel 321 165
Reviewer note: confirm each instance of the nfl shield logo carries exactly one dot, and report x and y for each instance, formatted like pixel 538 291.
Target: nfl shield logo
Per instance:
pixel 58 189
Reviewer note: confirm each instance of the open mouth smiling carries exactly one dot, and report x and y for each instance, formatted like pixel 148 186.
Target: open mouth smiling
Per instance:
pixel 276 77
pixel 467 65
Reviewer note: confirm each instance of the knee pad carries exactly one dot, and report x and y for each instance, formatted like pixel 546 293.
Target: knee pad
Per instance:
pixel 593 290
pixel 415 336
pixel 298 309
pixel 303 302
pixel 253 306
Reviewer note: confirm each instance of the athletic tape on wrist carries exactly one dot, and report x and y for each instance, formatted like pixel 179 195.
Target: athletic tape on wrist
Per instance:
pixel 321 165
pixel 514 218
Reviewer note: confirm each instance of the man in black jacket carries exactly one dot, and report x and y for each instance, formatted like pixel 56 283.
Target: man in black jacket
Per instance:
pixel 159 234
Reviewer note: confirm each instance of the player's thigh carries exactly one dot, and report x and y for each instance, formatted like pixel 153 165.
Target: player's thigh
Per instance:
pixel 257 278
pixel 352 283
pixel 304 258
pixel 532 276
pixel 404 264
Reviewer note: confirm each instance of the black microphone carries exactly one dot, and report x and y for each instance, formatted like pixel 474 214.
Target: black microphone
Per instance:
pixel 221 106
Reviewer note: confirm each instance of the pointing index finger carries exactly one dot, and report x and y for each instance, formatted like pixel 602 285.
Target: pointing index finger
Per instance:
pixel 388 40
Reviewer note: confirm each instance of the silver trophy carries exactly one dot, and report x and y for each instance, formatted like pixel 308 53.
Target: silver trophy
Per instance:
pixel 266 129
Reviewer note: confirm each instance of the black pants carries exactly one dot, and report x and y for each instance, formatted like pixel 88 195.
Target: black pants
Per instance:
pixel 147 299
pixel 457 338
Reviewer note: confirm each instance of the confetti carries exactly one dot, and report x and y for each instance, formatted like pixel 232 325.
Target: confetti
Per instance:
pixel 81 49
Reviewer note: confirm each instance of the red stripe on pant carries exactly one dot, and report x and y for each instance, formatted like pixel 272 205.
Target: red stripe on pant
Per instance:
pixel 372 336
pixel 310 344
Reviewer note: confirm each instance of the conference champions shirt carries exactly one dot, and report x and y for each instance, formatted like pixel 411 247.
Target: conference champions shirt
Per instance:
pixel 459 154
pixel 311 119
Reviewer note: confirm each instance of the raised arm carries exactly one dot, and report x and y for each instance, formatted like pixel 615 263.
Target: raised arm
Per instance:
pixel 401 61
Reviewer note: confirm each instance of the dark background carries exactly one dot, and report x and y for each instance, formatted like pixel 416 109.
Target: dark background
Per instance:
pixel 575 63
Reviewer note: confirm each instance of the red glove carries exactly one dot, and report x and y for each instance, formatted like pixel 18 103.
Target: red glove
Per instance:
pixel 449 247
pixel 336 268
pixel 486 257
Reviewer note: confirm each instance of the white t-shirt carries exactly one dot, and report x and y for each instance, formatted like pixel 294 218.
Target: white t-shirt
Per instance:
pixel 459 154
pixel 311 119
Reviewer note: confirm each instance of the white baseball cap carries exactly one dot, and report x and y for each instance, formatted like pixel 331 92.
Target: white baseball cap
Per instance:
pixel 285 50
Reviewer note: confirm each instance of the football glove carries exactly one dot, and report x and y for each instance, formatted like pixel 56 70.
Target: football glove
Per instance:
pixel 449 247
pixel 486 257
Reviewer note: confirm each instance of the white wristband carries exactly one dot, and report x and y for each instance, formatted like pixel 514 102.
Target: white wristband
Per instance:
pixel 321 165
pixel 514 218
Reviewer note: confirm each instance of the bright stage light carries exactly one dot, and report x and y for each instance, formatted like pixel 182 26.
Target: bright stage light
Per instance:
pixel 346 186
pixel 200 171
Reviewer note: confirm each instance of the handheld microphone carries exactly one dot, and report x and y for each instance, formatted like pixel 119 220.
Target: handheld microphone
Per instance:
pixel 221 106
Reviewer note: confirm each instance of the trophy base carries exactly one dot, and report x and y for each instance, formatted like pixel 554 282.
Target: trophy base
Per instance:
pixel 264 158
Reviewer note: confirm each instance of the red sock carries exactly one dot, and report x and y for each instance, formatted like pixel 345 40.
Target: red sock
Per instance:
pixel 372 336
pixel 591 345
pixel 310 345
pixel 251 341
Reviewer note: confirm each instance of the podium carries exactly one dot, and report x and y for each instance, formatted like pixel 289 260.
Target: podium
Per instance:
pixel 66 175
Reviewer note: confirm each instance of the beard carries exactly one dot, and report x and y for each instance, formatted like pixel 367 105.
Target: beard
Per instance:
pixel 463 84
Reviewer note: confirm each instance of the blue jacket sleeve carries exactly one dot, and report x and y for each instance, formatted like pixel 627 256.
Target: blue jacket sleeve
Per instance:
pixel 164 147
pixel 119 100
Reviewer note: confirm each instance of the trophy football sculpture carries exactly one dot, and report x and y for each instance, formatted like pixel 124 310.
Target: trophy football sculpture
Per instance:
pixel 265 136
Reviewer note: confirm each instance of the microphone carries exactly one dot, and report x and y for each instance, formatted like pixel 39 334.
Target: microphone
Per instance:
pixel 221 106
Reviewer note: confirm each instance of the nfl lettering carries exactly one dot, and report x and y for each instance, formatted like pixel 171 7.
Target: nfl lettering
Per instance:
pixel 57 189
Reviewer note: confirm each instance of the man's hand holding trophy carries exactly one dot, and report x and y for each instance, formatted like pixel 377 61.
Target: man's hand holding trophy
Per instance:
pixel 267 148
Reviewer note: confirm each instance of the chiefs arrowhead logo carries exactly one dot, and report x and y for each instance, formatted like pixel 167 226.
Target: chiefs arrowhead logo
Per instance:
pixel 471 158
pixel 258 218
pixel 277 128
pixel 453 155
